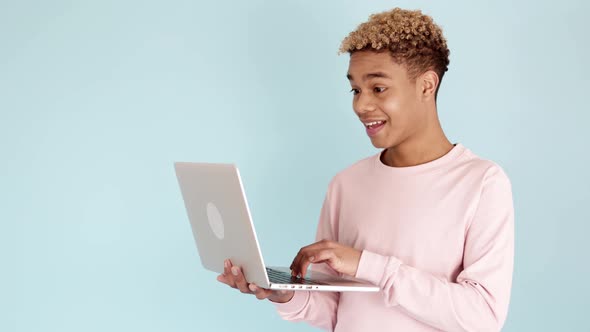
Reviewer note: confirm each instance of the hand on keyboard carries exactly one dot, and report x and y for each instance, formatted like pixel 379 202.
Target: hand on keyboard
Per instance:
pixel 340 258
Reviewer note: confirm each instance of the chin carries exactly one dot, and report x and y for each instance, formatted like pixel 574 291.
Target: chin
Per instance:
pixel 380 143
pixel 384 143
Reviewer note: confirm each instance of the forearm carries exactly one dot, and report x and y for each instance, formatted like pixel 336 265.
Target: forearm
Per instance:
pixel 465 305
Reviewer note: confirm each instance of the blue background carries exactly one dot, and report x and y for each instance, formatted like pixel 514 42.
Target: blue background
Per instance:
pixel 98 99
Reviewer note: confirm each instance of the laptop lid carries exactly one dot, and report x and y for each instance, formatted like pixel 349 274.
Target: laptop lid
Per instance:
pixel 220 218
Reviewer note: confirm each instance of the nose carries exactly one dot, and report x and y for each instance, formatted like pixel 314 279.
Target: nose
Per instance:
pixel 363 103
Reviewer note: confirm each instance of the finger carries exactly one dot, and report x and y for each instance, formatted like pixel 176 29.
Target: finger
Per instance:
pixel 226 267
pixel 259 292
pixel 301 255
pixel 304 254
pixel 295 263
pixel 241 283
pixel 228 275
pixel 319 256
pixel 222 278
pixel 226 280
pixel 304 264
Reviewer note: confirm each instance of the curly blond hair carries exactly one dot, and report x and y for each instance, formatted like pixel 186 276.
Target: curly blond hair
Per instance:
pixel 412 38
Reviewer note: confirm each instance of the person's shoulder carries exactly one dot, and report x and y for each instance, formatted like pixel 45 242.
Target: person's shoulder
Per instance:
pixel 486 169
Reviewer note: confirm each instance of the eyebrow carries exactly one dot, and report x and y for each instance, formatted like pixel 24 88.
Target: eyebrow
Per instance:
pixel 367 76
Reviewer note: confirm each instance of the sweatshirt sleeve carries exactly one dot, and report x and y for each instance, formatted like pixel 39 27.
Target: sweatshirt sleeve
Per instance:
pixel 478 300
pixel 316 308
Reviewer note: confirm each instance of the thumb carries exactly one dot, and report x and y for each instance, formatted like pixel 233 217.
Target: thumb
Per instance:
pixel 260 292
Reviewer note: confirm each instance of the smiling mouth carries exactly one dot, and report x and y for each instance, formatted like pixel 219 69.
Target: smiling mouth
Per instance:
pixel 374 124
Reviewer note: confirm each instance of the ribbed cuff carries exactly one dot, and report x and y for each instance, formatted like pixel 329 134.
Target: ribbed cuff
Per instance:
pixel 296 304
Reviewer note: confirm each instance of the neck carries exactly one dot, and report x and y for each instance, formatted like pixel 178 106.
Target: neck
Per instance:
pixel 429 145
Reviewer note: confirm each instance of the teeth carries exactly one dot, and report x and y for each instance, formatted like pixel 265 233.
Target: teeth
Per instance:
pixel 373 123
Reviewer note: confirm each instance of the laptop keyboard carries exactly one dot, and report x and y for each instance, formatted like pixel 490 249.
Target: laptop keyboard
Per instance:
pixel 280 277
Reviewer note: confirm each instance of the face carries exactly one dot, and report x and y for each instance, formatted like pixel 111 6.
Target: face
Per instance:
pixel 388 103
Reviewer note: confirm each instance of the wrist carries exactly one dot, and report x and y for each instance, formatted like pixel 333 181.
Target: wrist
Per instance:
pixel 281 298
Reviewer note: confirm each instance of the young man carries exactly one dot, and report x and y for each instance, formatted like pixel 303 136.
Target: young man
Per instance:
pixel 429 222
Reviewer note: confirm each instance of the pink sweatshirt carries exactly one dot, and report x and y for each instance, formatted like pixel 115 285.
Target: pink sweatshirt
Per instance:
pixel 437 238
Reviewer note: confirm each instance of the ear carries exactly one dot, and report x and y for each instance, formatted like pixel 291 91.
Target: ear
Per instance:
pixel 427 84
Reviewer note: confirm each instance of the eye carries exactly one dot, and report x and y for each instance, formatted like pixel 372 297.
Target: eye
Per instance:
pixel 378 89
pixel 355 91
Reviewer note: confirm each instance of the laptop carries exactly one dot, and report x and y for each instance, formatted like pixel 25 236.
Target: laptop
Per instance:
pixel 222 227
